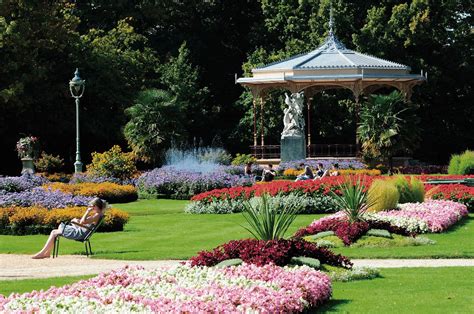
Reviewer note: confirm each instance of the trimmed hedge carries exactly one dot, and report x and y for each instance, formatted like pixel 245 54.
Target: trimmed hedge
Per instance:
pixel 40 220
pixel 111 192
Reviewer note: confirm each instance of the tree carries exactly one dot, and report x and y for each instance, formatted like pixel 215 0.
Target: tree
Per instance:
pixel 387 127
pixel 41 46
pixel 181 79
pixel 156 119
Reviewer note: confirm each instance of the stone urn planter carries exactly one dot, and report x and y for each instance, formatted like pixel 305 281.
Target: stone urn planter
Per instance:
pixel 28 165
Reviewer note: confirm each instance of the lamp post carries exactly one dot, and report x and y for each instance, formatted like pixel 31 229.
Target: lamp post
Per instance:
pixel 77 87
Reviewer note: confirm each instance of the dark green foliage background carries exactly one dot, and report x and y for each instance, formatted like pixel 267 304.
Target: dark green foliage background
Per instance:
pixel 123 47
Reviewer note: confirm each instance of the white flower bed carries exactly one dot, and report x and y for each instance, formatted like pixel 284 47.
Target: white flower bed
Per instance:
pixel 245 288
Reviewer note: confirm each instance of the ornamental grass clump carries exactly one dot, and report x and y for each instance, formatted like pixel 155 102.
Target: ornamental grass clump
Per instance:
pixel 269 220
pixel 382 195
pixel 410 192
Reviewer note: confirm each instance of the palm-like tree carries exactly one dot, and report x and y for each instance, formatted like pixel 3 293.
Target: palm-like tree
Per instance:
pixel 155 120
pixel 387 126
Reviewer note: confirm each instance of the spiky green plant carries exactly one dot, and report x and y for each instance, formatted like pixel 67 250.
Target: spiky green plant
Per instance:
pixel 269 220
pixel 353 200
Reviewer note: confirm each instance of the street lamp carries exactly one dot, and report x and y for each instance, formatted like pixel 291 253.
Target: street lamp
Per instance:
pixel 77 87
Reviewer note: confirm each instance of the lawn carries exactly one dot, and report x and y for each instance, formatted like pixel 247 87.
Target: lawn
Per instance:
pixel 159 229
pixel 407 290
pixel 402 290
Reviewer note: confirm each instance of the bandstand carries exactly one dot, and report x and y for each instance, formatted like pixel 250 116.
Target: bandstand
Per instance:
pixel 330 66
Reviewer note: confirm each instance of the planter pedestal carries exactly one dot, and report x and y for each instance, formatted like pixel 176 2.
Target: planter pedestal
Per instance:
pixel 28 166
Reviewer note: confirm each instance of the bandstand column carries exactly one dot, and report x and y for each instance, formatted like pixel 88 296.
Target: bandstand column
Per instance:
pixel 261 125
pixel 254 122
pixel 309 119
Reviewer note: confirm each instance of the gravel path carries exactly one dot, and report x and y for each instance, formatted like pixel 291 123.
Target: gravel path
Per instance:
pixel 14 266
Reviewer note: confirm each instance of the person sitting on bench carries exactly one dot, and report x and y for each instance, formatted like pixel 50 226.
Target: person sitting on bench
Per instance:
pixel 77 229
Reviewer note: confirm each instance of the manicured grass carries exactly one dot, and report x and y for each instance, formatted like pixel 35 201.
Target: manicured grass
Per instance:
pixel 402 290
pixel 407 290
pixel 159 229
pixel 28 285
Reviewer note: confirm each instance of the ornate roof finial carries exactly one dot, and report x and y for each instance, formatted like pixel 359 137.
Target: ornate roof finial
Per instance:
pixel 331 21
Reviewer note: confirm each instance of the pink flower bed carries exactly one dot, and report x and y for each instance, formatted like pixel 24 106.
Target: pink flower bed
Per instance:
pixel 245 288
pixel 438 215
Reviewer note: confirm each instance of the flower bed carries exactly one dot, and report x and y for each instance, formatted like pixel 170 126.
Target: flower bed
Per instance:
pixel 245 288
pixel 34 220
pixel 260 252
pixel 22 183
pixel 42 198
pixel 314 196
pixel 327 163
pixel 429 216
pixel 111 192
pixel 409 219
pixel 421 169
pixel 179 184
pixel 454 192
pixel 306 205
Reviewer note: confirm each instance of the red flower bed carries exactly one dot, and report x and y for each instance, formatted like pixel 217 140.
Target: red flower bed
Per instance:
pixel 309 187
pixel 348 232
pixel 260 252
pixel 454 192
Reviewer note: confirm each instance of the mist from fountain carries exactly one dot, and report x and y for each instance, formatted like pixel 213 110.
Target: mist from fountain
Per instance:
pixel 200 159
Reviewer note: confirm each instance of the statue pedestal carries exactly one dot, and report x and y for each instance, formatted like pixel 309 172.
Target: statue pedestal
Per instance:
pixel 292 148
pixel 28 165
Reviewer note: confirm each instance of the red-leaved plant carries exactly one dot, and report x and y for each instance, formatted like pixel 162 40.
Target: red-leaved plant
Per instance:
pixel 260 252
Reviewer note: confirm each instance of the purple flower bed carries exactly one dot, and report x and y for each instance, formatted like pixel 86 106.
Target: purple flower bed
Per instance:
pixel 420 169
pixel 184 184
pixel 23 183
pixel 42 198
pixel 81 178
pixel 327 163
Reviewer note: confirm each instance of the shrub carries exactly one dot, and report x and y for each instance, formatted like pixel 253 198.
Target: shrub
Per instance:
pixel 111 192
pixel 113 163
pixel 242 159
pixel 33 220
pixel 260 252
pixel 462 164
pixel 383 194
pixel 410 192
pixel 49 163
pixel 466 165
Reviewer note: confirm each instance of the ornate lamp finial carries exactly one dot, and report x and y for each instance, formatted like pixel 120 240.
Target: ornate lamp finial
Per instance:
pixel 331 22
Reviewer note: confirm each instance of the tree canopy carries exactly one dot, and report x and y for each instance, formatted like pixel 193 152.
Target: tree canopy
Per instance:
pixel 191 51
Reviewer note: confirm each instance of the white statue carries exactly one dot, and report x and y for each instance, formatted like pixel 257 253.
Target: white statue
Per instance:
pixel 293 119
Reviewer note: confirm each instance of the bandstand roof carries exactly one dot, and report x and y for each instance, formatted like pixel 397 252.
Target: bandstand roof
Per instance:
pixel 332 65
